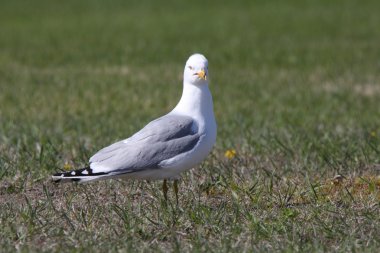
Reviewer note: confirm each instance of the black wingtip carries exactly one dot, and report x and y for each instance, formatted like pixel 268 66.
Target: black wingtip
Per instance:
pixel 84 174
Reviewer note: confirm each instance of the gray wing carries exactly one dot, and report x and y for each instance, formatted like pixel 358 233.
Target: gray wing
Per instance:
pixel 161 139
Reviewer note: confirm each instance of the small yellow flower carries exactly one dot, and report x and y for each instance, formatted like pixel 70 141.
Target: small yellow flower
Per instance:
pixel 373 133
pixel 230 153
pixel 67 166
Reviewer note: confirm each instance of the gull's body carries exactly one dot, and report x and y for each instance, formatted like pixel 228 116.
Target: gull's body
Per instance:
pixel 166 146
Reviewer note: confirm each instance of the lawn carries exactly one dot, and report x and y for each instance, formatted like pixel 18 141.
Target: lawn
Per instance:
pixel 296 87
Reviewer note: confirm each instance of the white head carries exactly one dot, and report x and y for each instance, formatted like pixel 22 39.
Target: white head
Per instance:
pixel 196 70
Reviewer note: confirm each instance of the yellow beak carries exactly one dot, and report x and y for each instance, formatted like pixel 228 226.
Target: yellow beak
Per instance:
pixel 202 74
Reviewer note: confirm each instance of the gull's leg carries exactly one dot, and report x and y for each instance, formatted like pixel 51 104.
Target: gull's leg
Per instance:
pixel 165 190
pixel 175 186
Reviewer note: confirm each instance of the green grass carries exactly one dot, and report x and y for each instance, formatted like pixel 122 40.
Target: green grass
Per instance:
pixel 296 87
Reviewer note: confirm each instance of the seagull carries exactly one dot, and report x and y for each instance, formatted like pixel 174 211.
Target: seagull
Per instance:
pixel 165 147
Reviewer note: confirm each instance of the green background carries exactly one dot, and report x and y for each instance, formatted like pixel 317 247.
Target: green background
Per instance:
pixel 296 90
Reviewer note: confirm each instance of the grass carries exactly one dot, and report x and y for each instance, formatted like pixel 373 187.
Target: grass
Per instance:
pixel 296 90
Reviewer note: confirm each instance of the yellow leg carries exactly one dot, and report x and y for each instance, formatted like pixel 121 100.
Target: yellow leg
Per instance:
pixel 165 190
pixel 175 186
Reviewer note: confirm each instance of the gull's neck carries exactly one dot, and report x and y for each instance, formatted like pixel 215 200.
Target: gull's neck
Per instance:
pixel 196 102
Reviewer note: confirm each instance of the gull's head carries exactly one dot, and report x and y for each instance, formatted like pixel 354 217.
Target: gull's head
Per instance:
pixel 196 70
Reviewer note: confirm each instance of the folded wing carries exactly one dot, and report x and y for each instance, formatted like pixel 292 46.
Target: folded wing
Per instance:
pixel 161 139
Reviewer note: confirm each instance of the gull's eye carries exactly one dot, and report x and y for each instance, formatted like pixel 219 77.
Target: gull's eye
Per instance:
pixel 190 67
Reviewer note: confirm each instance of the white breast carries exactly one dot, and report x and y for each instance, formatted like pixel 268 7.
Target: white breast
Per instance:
pixel 196 102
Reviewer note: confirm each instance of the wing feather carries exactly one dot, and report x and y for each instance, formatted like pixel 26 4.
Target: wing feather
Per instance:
pixel 161 139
